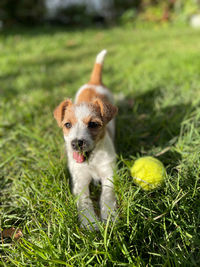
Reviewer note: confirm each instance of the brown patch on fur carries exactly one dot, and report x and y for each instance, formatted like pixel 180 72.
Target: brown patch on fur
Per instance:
pixel 98 135
pixel 88 95
pixel 86 120
pixel 96 76
pixel 93 119
pixel 70 117
pixel 60 111
pixel 98 132
pixel 106 109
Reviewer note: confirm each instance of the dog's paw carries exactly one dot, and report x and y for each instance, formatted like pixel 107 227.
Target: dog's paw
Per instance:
pixel 89 222
pixel 109 215
pixel 91 226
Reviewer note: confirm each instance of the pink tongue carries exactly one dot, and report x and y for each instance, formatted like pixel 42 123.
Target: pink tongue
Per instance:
pixel 78 157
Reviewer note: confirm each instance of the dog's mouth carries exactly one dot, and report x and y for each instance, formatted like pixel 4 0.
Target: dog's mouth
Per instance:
pixel 80 156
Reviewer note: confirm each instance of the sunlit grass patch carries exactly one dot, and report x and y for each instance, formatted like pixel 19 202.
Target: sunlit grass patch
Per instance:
pixel 154 75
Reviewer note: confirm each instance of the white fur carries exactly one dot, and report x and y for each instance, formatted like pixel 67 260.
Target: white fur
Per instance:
pixel 82 111
pixel 100 168
pixel 100 57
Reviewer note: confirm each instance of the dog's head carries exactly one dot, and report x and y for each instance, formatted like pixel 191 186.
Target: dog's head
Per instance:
pixel 83 125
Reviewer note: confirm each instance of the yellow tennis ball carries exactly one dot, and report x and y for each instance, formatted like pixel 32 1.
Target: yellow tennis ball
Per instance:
pixel 148 172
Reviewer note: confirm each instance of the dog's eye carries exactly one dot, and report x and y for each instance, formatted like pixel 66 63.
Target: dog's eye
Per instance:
pixel 68 125
pixel 93 124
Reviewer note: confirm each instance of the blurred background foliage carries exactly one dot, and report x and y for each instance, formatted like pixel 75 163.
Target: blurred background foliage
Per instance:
pixel 78 12
pixel 22 11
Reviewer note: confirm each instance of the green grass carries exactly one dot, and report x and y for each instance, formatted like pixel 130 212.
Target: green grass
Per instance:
pixel 155 76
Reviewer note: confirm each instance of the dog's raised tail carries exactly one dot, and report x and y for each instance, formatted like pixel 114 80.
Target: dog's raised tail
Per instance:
pixel 96 76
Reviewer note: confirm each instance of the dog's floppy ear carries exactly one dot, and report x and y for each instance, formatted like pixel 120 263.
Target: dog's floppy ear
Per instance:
pixel 60 111
pixel 107 110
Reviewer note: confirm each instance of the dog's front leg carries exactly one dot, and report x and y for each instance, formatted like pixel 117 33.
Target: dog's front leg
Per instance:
pixel 84 204
pixel 108 200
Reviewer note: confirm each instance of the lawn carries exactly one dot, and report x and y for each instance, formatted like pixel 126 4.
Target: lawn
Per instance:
pixel 155 77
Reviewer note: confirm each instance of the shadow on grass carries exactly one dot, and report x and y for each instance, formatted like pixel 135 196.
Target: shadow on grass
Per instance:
pixel 48 65
pixel 141 127
pixel 51 29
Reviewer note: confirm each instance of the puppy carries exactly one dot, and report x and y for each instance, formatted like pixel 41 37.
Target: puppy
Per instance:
pixel 88 128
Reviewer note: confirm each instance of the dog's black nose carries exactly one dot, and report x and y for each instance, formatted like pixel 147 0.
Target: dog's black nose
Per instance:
pixel 78 144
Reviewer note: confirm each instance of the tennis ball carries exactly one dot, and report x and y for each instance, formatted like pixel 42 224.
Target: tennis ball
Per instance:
pixel 148 172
